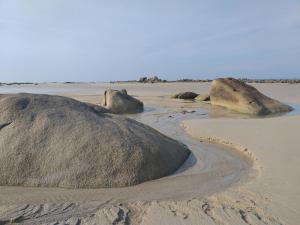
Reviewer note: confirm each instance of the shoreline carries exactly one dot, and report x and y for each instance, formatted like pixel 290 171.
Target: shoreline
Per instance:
pixel 247 80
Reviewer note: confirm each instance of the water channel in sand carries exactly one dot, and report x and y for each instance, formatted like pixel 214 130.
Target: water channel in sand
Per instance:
pixel 209 168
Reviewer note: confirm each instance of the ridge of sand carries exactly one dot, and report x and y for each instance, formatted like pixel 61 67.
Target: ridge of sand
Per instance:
pixel 275 142
pixel 246 153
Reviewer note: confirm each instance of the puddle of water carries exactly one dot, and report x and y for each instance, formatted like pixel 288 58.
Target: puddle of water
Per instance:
pixel 203 155
pixel 222 112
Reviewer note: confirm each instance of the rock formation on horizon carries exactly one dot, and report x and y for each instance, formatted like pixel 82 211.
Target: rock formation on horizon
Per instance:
pixel 153 79
pixel 119 102
pixel 54 141
pixel 239 96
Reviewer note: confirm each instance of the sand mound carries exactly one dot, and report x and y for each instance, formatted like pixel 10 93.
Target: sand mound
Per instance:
pixel 59 142
pixel 120 102
pixel 239 96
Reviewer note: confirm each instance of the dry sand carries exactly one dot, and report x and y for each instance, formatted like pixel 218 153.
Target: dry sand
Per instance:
pixel 275 143
pixel 217 186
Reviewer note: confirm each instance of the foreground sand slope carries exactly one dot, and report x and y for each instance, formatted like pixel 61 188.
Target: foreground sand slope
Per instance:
pixel 276 144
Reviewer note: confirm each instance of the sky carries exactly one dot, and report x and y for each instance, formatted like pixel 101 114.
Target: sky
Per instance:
pixel 102 40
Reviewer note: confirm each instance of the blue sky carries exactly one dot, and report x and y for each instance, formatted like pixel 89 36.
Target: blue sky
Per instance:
pixel 95 40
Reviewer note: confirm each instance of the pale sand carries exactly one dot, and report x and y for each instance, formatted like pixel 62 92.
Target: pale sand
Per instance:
pixel 196 195
pixel 276 145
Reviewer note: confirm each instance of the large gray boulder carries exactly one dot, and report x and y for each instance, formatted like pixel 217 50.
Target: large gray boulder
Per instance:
pixel 239 96
pixel 55 141
pixel 119 102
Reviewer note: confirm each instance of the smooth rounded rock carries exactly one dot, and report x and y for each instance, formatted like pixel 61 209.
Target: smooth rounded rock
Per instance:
pixel 239 96
pixel 119 102
pixel 186 95
pixel 55 141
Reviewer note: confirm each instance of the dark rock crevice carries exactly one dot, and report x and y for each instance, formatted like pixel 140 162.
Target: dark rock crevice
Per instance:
pixel 4 125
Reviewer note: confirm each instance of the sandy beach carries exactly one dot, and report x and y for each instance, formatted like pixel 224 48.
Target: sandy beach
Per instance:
pixel 242 170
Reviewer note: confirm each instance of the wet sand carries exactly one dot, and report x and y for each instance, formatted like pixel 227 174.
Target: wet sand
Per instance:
pixel 207 164
pixel 215 186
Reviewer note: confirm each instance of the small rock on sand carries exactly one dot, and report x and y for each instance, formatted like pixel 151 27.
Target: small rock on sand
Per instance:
pixel 185 95
pixel 119 102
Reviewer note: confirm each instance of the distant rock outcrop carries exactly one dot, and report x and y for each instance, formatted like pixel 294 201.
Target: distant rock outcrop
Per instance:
pixel 185 95
pixel 119 102
pixel 239 96
pixel 142 79
pixel 153 79
pixel 55 141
